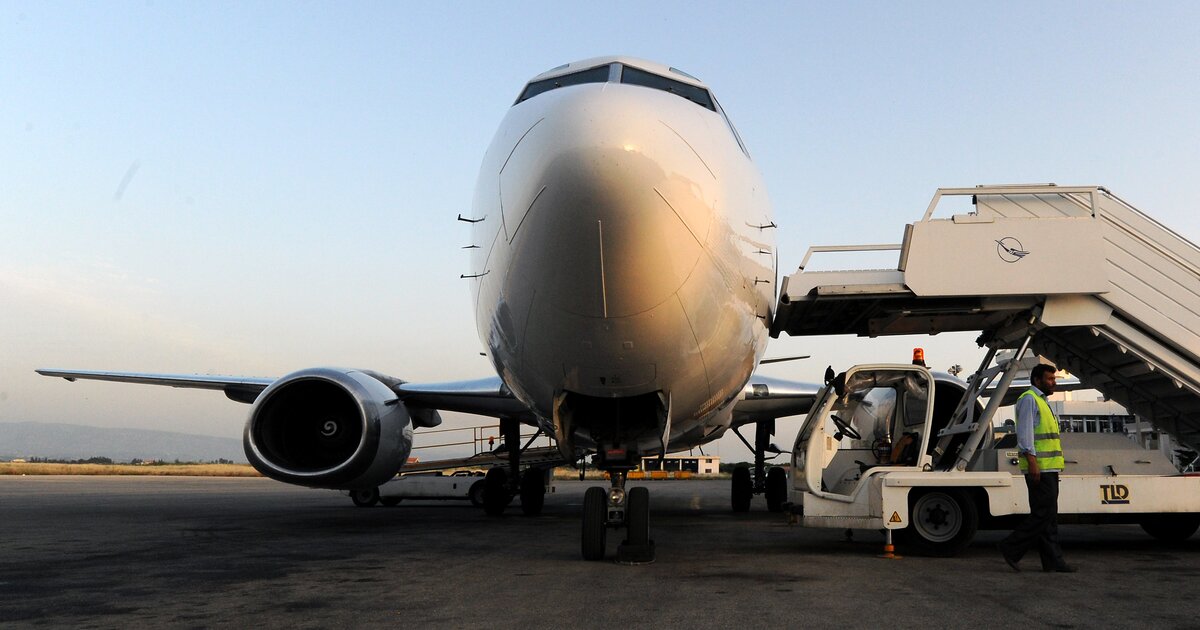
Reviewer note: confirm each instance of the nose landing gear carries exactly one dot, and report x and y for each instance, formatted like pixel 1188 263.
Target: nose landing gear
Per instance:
pixel 613 510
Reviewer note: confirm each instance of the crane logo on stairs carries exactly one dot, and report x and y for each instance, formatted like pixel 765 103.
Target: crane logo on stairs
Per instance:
pixel 1010 249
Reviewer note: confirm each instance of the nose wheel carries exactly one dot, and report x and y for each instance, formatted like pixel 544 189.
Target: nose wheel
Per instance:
pixel 617 509
pixel 595 524
pixel 637 548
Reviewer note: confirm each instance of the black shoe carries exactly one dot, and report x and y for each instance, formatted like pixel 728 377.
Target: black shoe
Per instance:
pixel 1008 559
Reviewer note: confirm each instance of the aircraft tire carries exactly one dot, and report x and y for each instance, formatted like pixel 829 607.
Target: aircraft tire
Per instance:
pixel 776 489
pixel 495 491
pixel 367 497
pixel 595 505
pixel 533 491
pixel 741 489
pixel 637 516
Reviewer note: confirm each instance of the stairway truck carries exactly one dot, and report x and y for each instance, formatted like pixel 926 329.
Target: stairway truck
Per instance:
pixel 879 450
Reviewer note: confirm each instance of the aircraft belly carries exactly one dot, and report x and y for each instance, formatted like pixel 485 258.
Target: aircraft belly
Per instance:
pixel 615 357
pixel 700 347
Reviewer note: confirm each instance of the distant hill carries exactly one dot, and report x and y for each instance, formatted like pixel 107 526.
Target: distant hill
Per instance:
pixel 72 441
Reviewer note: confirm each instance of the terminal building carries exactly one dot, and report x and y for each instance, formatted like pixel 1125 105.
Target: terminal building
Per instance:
pixel 1106 416
pixel 1089 416
pixel 699 465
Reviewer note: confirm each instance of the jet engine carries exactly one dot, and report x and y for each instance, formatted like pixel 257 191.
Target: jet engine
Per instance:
pixel 328 428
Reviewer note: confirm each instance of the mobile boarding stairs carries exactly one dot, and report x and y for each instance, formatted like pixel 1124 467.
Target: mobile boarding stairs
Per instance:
pixel 1075 273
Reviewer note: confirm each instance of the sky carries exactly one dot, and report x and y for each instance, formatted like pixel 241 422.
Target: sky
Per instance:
pixel 255 188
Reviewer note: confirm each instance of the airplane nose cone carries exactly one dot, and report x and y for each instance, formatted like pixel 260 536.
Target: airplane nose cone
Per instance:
pixel 606 203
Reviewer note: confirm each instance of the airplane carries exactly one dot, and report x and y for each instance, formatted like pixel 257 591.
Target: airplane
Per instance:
pixel 623 273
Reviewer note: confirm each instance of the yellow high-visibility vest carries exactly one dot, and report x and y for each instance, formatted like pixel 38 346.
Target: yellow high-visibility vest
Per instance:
pixel 1046 440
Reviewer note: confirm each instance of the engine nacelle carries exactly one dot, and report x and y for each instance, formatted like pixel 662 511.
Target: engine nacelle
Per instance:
pixel 328 428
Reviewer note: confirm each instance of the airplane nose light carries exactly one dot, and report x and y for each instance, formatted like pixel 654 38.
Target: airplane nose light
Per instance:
pixel 616 496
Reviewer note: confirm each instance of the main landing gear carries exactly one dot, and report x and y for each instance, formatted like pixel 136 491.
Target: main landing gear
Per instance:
pixel 772 483
pixel 615 509
pixel 503 483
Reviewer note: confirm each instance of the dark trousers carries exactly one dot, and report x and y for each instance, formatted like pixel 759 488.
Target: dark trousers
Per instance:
pixel 1040 529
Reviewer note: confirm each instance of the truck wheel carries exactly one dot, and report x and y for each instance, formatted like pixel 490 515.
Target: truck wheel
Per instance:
pixel 365 497
pixel 776 489
pixel 742 489
pixel 1172 527
pixel 941 522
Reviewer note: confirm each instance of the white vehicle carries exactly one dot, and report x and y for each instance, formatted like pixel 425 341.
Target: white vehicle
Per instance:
pixel 869 456
pixel 1073 273
pixel 460 485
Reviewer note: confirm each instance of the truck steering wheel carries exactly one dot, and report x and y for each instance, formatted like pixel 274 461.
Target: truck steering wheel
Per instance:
pixel 844 429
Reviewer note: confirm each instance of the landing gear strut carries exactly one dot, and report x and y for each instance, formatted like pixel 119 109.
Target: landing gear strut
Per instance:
pixel 773 484
pixel 614 509
pixel 502 483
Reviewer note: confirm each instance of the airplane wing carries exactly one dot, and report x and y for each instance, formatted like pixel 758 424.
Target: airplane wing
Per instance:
pixel 243 389
pixel 482 397
pixel 767 398
pixel 763 398
pixel 485 397
pixel 1019 385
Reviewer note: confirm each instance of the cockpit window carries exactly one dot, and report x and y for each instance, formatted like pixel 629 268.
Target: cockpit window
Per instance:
pixel 630 76
pixel 599 74
pixel 698 95
pixel 732 129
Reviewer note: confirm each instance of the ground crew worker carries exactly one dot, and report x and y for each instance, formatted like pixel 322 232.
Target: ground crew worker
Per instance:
pixel 1041 459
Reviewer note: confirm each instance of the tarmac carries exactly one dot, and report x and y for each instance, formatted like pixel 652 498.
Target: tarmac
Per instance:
pixel 108 552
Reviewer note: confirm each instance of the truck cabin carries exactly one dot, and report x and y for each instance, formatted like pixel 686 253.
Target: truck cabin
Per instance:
pixel 875 418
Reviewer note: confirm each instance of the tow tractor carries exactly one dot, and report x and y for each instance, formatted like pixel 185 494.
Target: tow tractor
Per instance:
pixel 898 448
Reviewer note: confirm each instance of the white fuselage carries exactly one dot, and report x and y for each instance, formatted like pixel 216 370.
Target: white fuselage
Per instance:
pixel 625 247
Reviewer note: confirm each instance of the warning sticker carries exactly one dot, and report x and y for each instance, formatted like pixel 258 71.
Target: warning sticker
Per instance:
pixel 895 518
